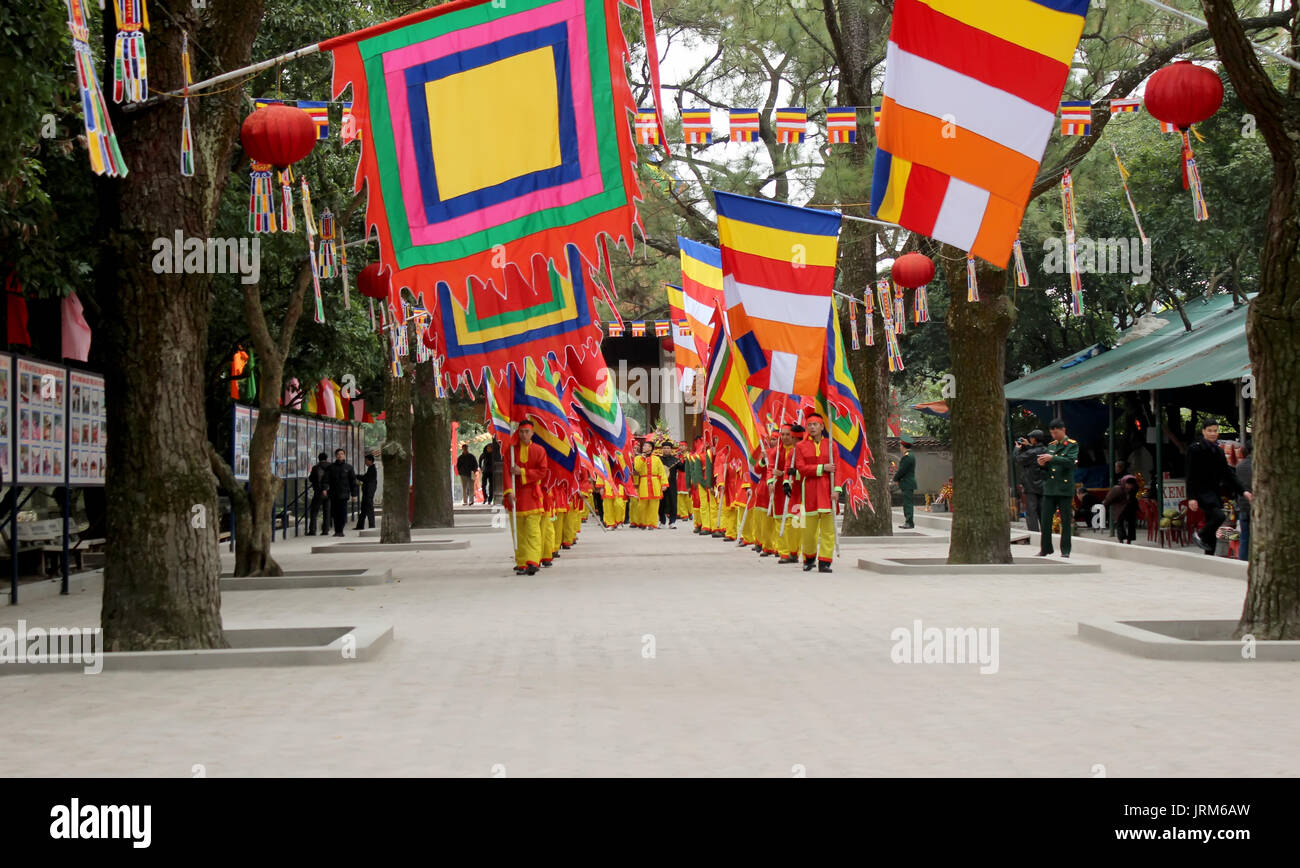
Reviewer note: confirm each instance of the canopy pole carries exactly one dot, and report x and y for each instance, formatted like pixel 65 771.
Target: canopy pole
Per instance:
pixel 1160 442
pixel 1241 410
pixel 241 72
pixel 1110 444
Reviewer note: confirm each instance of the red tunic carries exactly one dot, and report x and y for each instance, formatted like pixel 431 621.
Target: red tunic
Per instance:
pixel 763 494
pixel 810 459
pixel 528 488
pixel 783 459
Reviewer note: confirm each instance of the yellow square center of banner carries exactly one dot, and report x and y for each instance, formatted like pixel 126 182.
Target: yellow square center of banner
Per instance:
pixel 494 122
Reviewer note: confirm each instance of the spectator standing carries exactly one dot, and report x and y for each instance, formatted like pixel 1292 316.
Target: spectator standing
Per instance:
pixel 341 480
pixel 905 476
pixel 1246 476
pixel 466 466
pixel 316 479
pixel 1031 475
pixel 487 463
pixel 1122 501
pixel 1208 474
pixel 369 482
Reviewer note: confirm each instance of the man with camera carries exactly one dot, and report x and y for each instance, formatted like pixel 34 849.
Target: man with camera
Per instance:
pixel 1031 475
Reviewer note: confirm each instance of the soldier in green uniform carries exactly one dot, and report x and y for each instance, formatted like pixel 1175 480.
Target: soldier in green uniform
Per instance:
pixel 905 476
pixel 1058 487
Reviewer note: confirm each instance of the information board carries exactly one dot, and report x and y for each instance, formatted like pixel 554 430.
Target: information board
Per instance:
pixel 243 433
pixel 42 413
pixel 6 416
pixel 88 435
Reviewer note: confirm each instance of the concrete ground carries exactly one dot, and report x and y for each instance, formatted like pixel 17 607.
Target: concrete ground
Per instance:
pixel 664 653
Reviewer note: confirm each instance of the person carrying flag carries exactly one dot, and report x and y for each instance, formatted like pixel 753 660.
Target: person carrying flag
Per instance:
pixel 525 471
pixel 786 495
pixel 814 465
pixel 762 531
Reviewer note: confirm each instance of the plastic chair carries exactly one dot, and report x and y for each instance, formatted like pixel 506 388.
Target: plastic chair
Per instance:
pixel 1149 515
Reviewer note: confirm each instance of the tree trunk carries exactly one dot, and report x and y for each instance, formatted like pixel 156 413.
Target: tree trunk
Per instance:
pixel 1272 606
pixel 977 337
pixel 431 453
pixel 396 526
pixel 162 571
pixel 253 551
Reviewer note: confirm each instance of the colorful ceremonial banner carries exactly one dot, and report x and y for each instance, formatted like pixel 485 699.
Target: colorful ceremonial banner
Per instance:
pixel 701 290
pixel 778 270
pixel 263 102
pixel 844 416
pixel 594 397
pixel 1076 118
pixel 791 125
pixel 535 317
pixel 697 126
pixel 647 126
pixel 744 125
pixel 842 125
pixel 727 406
pixel 498 408
pixel 320 116
pixel 1121 106
pixel 535 397
pixel 456 191
pixel 998 67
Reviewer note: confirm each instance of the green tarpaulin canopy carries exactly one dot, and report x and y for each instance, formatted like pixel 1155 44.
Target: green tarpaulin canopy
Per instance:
pixel 1169 357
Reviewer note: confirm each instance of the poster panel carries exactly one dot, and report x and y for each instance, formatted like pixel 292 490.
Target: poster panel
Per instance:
pixel 42 414
pixel 88 429
pixel 6 416
pixel 243 431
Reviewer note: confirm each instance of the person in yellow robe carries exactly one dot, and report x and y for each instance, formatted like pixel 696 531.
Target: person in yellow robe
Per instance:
pixel 650 476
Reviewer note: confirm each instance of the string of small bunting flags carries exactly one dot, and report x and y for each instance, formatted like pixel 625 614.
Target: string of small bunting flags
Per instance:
pixel 643 328
pixel 841 122
pixel 319 112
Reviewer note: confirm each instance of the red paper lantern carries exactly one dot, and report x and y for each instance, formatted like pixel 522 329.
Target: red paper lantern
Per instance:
pixel 913 269
pixel 278 134
pixel 1183 94
pixel 668 344
pixel 374 280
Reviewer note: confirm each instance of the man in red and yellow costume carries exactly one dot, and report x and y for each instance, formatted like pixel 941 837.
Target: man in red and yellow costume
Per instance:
pixel 649 473
pixel 814 465
pixel 759 519
pixel 525 472
pixel 786 495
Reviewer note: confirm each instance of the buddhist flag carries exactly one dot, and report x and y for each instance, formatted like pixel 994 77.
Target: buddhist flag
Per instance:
pixel 697 126
pixel 647 126
pixel 842 125
pixel 744 125
pixel 1124 106
pixel 320 116
pixel 263 102
pixel 791 124
pixel 1076 118
pixel 701 291
pixel 875 119
pixel 727 406
pixel 350 130
pixel 661 328
pixel 1167 127
pixel 684 351
pixel 778 270
pixel 970 99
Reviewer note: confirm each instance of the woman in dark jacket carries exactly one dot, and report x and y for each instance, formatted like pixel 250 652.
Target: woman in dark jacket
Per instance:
pixel 1208 474
pixel 1122 501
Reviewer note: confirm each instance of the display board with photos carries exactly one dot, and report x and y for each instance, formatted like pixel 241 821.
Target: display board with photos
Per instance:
pixel 88 432
pixel 42 416
pixel 298 442
pixel 6 415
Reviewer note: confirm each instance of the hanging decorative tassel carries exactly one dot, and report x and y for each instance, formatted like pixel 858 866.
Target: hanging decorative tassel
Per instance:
pixel 343 269
pixel 327 256
pixel 130 68
pixel 1192 179
pixel 972 280
pixel 868 317
pixel 373 326
pixel 437 379
pixel 286 200
pixel 853 323
pixel 187 134
pixel 900 315
pixel 1123 178
pixel 309 227
pixel 261 214
pixel 1022 273
pixel 892 352
pixel 921 305
pixel 1071 246
pixel 101 142
pixel 397 358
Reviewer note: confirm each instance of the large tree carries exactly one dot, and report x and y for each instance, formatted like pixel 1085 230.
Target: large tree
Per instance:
pixel 1272 606
pixel 162 569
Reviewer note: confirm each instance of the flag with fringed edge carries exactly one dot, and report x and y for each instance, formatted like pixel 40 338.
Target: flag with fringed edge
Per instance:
pixel 450 208
pixel 852 453
pixel 728 410
pixel 593 395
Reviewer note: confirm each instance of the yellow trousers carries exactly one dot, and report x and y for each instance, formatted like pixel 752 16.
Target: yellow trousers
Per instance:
pixel 572 522
pixel 787 538
pixel 819 536
pixel 683 505
pixel 729 518
pixel 609 506
pixel 708 511
pixel 548 537
pixel 620 510
pixel 528 539
pixel 749 532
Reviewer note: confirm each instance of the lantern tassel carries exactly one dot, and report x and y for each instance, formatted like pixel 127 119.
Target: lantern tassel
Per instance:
pixel 892 353
pixel 130 65
pixel 853 323
pixel 309 228
pixel 187 133
pixel 286 200
pixel 921 305
pixel 1192 180
pixel 1071 244
pixel 328 254
pixel 972 280
pixel 101 141
pixel 869 318
pixel 261 214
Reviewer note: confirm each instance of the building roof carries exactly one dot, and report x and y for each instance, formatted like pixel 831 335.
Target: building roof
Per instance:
pixel 1154 356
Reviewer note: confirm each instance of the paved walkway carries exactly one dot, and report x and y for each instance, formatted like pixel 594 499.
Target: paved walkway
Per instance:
pixel 757 669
